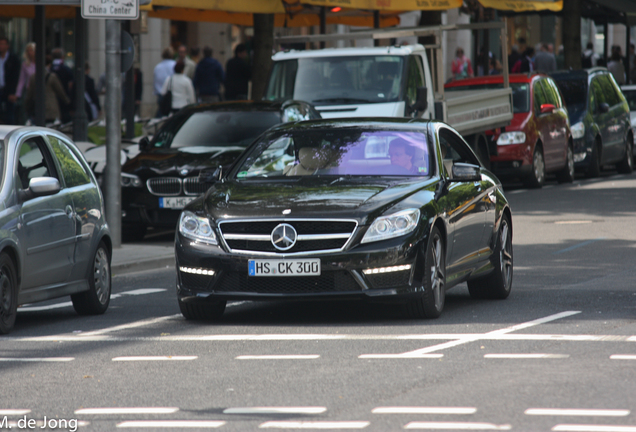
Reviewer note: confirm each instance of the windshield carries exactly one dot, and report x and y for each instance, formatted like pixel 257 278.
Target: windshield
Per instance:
pixel 338 152
pixel 574 92
pixel 630 95
pixel 215 129
pixel 520 94
pixel 337 80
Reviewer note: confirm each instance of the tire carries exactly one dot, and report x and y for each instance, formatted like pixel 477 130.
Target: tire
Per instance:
pixel 497 285
pixel 566 175
pixel 594 170
pixel 8 294
pixel 202 312
pixel 537 176
pixel 431 303
pixel 133 233
pixel 95 301
pixel 626 166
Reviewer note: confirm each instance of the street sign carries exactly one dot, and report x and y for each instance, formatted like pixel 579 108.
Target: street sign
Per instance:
pixel 110 9
pixel 127 51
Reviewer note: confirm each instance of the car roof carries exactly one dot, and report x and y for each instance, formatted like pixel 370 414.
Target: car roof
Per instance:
pixel 350 51
pixel 5 129
pixel 577 73
pixel 493 79
pixel 246 106
pixel 389 123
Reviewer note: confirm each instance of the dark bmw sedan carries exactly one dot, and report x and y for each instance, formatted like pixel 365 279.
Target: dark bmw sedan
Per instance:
pixel 394 210
pixel 164 176
pixel 54 240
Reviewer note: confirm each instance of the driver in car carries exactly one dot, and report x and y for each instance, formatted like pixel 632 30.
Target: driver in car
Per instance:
pixel 402 154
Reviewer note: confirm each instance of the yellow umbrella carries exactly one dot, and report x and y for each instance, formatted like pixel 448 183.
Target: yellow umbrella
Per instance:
pixel 524 5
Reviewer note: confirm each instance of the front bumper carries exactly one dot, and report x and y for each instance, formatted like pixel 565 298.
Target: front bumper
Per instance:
pixel 582 151
pixel 341 275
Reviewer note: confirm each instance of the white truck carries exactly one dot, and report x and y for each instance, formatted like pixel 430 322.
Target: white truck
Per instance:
pixel 393 81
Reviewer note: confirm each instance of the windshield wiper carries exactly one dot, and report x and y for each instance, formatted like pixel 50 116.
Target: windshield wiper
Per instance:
pixel 342 100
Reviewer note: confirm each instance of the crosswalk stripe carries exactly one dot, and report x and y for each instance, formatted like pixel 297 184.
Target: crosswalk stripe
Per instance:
pixel 577 412
pixel 314 425
pixel 275 410
pixel 457 426
pixel 128 410
pixel 209 424
pixel 424 410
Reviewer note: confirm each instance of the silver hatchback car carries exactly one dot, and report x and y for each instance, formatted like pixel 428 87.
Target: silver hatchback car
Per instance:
pixel 54 240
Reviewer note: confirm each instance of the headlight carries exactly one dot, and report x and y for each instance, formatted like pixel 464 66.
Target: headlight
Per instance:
pixel 508 138
pixel 578 130
pixel 196 228
pixel 130 180
pixel 394 225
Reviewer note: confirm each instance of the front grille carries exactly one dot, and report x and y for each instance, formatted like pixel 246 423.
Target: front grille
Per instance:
pixel 313 235
pixel 164 186
pixel 389 280
pixel 195 281
pixel 338 281
pixel 192 186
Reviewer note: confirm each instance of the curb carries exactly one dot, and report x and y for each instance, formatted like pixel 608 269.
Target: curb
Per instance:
pixel 142 265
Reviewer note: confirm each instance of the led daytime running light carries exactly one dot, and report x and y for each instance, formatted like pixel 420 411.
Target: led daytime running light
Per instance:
pixel 198 271
pixel 387 269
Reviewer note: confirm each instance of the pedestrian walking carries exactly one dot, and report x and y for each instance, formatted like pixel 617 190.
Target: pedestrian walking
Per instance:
pixel 190 65
pixel 9 76
pixel 163 70
pixel 180 86
pixel 615 66
pixel 93 107
pixel 238 74
pixel 544 60
pixel 208 77
pixel 525 63
pixel 65 75
pixel 461 66
pixel 589 58
pixel 53 91
pixel 26 70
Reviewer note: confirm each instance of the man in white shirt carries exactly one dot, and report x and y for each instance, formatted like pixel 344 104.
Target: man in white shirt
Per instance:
pixel 163 70
pixel 190 65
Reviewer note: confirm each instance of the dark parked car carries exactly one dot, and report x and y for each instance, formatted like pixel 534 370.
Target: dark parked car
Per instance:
pixel 538 140
pixel 159 181
pixel 599 119
pixel 378 209
pixel 54 240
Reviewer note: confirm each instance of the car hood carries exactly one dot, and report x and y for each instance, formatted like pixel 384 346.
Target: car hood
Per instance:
pixel 185 161
pixel 331 197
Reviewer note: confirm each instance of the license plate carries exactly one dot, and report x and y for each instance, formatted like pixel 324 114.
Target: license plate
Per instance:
pixel 174 202
pixel 298 267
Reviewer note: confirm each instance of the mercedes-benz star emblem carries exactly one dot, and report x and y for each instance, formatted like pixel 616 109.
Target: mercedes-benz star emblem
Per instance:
pixel 284 237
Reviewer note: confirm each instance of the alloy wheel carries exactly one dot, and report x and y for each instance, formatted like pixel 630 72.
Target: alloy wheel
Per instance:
pixel 437 273
pixel 102 276
pixel 505 254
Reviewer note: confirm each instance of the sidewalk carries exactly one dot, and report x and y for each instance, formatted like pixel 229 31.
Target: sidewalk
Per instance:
pixel 136 257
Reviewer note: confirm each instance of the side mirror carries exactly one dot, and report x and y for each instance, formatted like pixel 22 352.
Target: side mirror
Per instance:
pixel 210 175
pixel 463 172
pixel 547 108
pixel 144 144
pixel 603 107
pixel 40 186
pixel 421 101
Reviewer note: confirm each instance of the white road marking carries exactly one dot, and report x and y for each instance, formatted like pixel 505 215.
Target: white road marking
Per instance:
pixel 525 356
pixel 473 338
pixel 398 356
pixel 516 191
pixel 314 425
pixel 424 410
pixel 127 326
pixel 278 357
pixel 209 424
pixel 622 357
pixel 592 428
pixel 136 292
pixel 275 410
pixel 457 426
pixel 37 359
pixel 123 410
pixel 10 412
pixel 155 358
pixel 577 412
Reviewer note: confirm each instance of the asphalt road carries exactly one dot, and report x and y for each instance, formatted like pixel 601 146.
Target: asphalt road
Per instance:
pixel 558 355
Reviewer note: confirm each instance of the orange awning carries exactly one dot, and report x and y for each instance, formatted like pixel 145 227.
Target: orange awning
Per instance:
pixel 50 11
pixel 386 5
pixel 244 6
pixel 524 5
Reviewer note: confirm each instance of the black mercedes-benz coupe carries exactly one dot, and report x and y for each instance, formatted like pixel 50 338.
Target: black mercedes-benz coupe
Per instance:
pixel 378 209
pixel 164 176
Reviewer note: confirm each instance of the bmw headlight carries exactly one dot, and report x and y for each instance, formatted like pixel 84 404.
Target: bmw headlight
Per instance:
pixel 130 180
pixel 394 225
pixel 509 138
pixel 578 130
pixel 196 228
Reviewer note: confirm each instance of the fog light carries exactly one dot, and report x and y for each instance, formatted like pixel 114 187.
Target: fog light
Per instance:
pixel 198 271
pixel 387 269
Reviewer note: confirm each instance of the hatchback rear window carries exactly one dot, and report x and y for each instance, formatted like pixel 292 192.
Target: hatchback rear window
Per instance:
pixel 520 93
